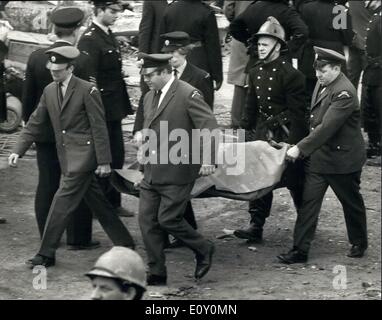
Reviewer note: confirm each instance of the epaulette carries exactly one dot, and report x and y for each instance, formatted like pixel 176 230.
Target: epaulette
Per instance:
pixel 92 79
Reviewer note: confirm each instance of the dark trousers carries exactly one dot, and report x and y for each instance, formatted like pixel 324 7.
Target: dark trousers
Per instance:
pixel 73 189
pixel 372 116
pixel 293 179
pixel 161 212
pixel 347 189
pixel 355 65
pixel 117 149
pixel 238 103
pixel 79 229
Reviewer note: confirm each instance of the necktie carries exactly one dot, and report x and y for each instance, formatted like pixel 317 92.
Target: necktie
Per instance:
pixel 156 99
pixel 59 93
pixel 176 71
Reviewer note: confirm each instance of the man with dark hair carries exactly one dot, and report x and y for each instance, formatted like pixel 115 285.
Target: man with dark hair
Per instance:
pixel 335 153
pixel 67 22
pixel 166 186
pixel 74 109
pixel 103 49
pixel 118 274
pixel 276 109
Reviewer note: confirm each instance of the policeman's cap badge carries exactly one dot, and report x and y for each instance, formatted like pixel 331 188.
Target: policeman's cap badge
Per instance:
pixel 53 59
pixel 167 42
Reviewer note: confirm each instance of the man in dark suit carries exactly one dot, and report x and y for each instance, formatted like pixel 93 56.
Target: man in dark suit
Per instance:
pixel 106 64
pixel 166 186
pixel 199 21
pixel 276 110
pixel 336 152
pixel 177 43
pixel 67 22
pixel 74 108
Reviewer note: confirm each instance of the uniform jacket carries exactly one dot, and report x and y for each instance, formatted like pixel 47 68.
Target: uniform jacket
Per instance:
pixel 250 21
pixel 319 17
pixel 194 76
pixel 199 21
pixel 79 126
pixel 373 71
pixel 275 88
pixel 3 99
pixel 335 144
pixel 239 56
pixel 37 77
pixel 106 65
pixel 149 28
pixel 181 108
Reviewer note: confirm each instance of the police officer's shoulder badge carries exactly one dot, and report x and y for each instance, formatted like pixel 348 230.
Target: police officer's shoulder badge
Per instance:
pixel 207 75
pixel 344 94
pixel 196 93
pixel 89 33
pixel 94 89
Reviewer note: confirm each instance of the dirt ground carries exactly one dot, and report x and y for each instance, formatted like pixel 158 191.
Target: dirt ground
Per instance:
pixel 238 272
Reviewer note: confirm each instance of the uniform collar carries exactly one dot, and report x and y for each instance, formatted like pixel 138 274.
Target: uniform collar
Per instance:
pixel 181 69
pixel 101 26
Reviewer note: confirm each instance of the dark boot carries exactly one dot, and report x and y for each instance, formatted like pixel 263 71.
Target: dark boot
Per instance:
pixel 259 210
pixel 253 234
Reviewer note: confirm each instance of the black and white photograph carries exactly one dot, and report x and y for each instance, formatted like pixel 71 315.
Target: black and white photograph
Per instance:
pixel 207 152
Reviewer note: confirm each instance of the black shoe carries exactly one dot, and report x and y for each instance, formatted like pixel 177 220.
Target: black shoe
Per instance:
pixel 94 244
pixel 39 260
pixel 155 280
pixel 203 263
pixel 253 234
pixel 357 251
pixel 123 212
pixel 293 256
pixel 2 220
pixel 374 162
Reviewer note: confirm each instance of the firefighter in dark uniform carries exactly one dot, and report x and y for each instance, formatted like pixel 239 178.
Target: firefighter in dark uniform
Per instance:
pixel 106 64
pixel 199 21
pixel 249 22
pixel 276 109
pixel 372 81
pixel 335 152
pixel 67 22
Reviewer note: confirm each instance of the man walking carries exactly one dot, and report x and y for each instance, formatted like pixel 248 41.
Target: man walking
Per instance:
pixel 336 153
pixel 276 109
pixel 166 186
pixel 74 108
pixel 67 23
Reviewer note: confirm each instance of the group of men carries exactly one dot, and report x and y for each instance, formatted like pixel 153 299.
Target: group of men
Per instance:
pixel 75 120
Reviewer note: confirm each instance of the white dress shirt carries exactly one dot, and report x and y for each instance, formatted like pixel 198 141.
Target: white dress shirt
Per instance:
pixel 64 85
pixel 181 69
pixel 165 89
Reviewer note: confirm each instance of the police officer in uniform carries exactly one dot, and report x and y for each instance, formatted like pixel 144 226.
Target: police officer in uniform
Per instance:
pixel 67 22
pixel 372 81
pixel 336 153
pixel 74 108
pixel 118 274
pixel 198 20
pixel 276 110
pixel 106 64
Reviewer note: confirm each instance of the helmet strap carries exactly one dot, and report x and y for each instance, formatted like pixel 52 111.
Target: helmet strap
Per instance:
pixel 270 52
